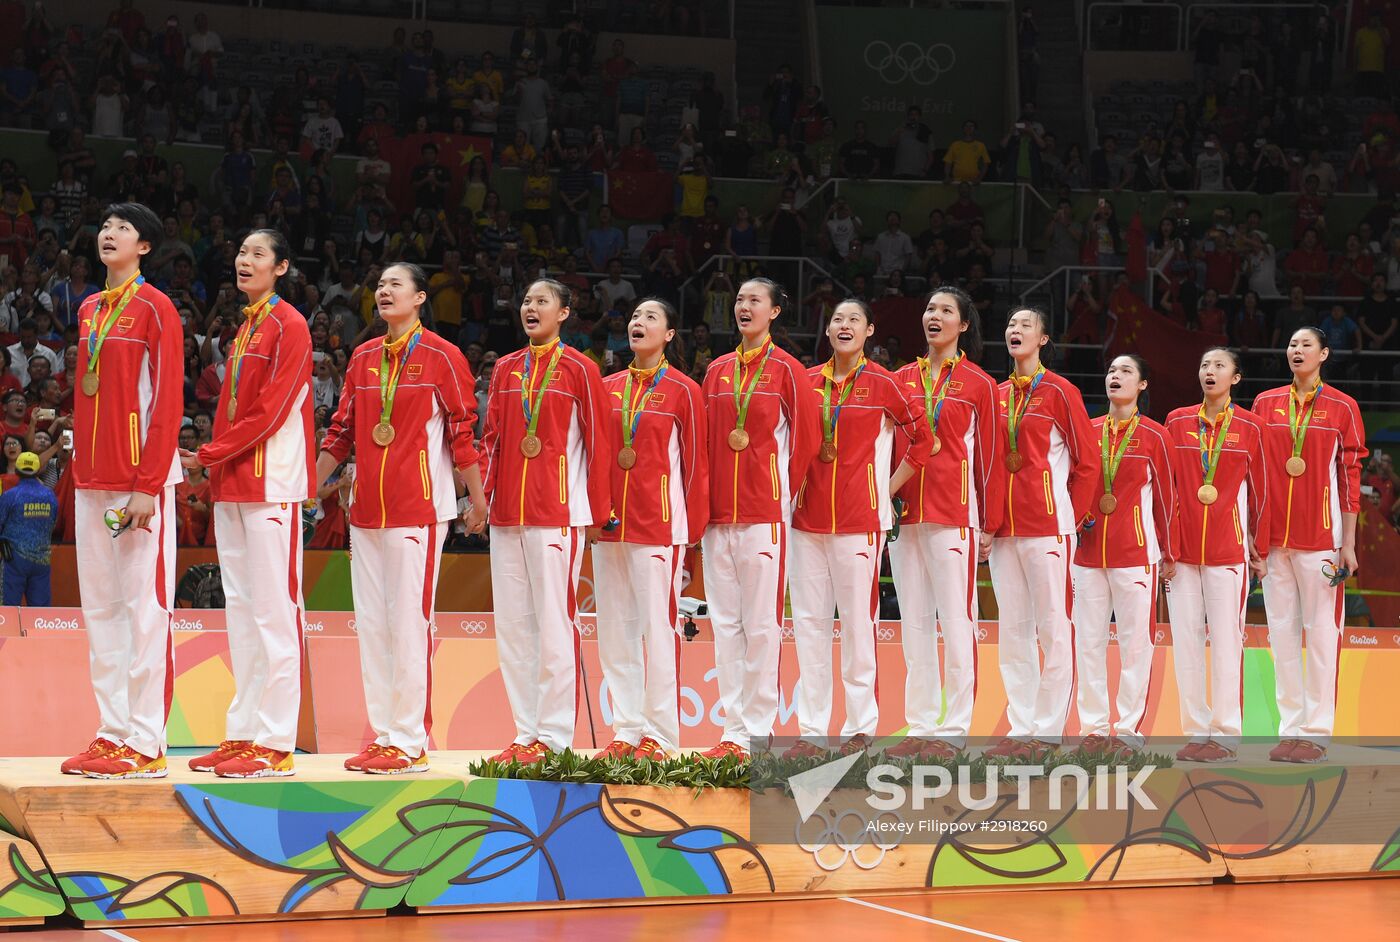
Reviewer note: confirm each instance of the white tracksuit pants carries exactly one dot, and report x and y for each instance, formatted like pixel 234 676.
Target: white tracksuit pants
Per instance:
pixel 393 573
pixel 745 581
pixel 637 591
pixel 838 571
pixel 260 563
pixel 128 591
pixel 935 574
pixel 534 582
pixel 1299 602
pixel 1199 596
pixel 1032 580
pixel 1129 595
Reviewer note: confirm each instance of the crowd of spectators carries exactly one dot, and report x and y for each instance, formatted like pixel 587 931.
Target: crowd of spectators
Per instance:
pixel 560 110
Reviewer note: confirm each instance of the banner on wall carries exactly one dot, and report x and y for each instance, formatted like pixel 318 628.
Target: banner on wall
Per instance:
pixel 952 64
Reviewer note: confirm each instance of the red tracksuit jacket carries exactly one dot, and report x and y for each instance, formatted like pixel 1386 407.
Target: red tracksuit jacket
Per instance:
pixel 126 438
pixel 1306 511
pixel 410 482
pixel 1215 535
pixel 967 464
pixel 1051 493
pixel 757 484
pixel 664 499
pixel 268 452
pixel 1140 531
pixel 567 483
pixel 852 493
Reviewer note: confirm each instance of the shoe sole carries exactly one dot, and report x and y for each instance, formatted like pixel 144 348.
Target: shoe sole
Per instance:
pixel 260 773
pixel 202 768
pixel 404 771
pixel 119 775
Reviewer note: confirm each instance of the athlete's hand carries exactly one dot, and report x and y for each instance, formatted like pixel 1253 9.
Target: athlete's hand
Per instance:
pixel 1346 557
pixel 1257 564
pixel 475 519
pixel 189 459
pixel 140 508
pixel 591 534
pixel 984 547
pixel 1168 570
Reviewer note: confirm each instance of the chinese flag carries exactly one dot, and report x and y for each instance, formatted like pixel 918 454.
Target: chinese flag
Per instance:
pixel 455 152
pixel 1133 327
pixel 643 195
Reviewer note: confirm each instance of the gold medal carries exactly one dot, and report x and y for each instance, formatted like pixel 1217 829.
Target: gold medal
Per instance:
pixel 530 446
pixel 937 446
pixel 738 439
pixel 627 458
pixel 1295 466
pixel 1108 504
pixel 383 434
pixel 90 384
pixel 1015 462
pixel 1207 494
pixel 827 452
pixel 232 407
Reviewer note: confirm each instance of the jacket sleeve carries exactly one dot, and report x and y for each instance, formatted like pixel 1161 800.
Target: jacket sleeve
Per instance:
pixel 260 416
pixel 167 377
pixel 593 413
pixel 695 462
pixel 1349 458
pixel 1164 499
pixel 912 447
pixel 906 422
pixel 806 423
pixel 1084 460
pixel 457 395
pixel 491 431
pixel 340 433
pixel 1257 480
pixel 988 475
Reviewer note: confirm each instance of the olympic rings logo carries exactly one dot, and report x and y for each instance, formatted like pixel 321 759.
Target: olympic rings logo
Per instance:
pixel 786 633
pixel 1159 636
pixel 909 62
pixel 586 630
pixel 852 847
pixel 981 633
pixel 474 627
pixel 884 634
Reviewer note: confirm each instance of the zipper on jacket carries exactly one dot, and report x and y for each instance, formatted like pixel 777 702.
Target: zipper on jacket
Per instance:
pixel 1288 517
pixel 424 476
pixel 665 499
pixel 563 479
pixel 1327 508
pixel 622 512
pixel 133 428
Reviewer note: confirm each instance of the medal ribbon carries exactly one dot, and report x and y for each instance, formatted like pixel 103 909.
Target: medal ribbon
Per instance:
pixel 933 408
pixel 530 404
pixel 389 380
pixel 632 414
pixel 830 418
pixel 253 318
pixel 1017 411
pixel 98 336
pixel 742 402
pixel 1210 449
pixel 1297 428
pixel 1113 457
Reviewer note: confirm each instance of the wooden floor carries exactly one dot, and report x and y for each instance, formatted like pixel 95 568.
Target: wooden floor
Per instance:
pixel 1365 910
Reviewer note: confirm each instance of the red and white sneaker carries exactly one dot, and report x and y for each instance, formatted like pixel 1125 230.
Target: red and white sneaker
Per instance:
pixel 256 762
pixel 802 749
pixel 227 750
pixel 534 752
pixel 1092 745
pixel 857 743
pixel 617 749
pixel 392 760
pixel 1009 748
pixel 97 749
pixel 1214 752
pixel 126 762
pixel 356 763
pixel 1307 752
pixel 1187 753
pixel 507 755
pixel 649 748
pixel 724 749
pixel 1283 752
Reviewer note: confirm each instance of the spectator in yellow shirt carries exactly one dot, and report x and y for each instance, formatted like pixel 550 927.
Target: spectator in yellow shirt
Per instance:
pixel 445 291
pixel 694 182
pixel 1371 43
pixel 489 75
pixel 966 160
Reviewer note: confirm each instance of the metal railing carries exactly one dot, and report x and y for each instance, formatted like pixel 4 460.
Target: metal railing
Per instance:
pixel 1139 18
